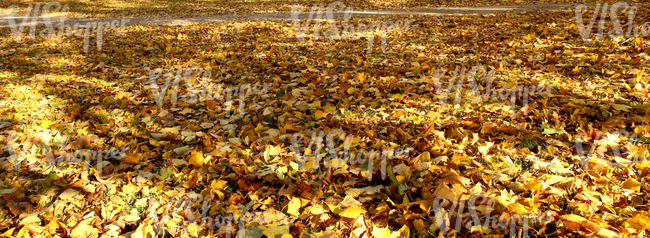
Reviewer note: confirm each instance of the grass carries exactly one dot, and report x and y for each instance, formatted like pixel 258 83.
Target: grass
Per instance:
pixel 529 144
pixel 641 140
pixel 525 164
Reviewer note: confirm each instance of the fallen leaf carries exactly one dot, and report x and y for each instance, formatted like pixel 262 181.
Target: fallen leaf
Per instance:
pixel 294 206
pixel 632 184
pixel 352 212
pixel 84 230
pixel 196 158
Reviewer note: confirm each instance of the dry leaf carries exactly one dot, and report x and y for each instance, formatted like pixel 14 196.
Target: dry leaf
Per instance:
pixel 352 212
pixel 196 158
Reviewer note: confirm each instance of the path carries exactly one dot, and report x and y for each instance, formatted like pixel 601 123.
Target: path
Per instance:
pixel 4 18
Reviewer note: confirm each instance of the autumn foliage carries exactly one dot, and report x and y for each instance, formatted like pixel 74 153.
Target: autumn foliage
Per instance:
pixel 326 138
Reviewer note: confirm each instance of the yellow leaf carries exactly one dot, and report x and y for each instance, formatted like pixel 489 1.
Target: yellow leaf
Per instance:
pixel 360 77
pixel 145 230
pixel 317 209
pixel 235 141
pixel 518 208
pixel 83 230
pixel 294 206
pixel 643 165
pixel 516 187
pixel 380 232
pixel 289 126
pixel 47 123
pixel 287 236
pixel 196 158
pixel 70 194
pixel 530 36
pixel 573 222
pixel 373 90
pixel 326 234
pixel 639 222
pixel 221 184
pixel 405 231
pixel 23 233
pixel 194 229
pixel 131 159
pixel 129 189
pixel 8 232
pixel 486 148
pixel 348 142
pixel 425 157
pixel 533 185
pixel 318 114
pixel 632 184
pixel 271 151
pixel 639 76
pixel 607 233
pixel 186 111
pixel 170 130
pixel 259 127
pixel 352 212
pixel 329 108
pixel 399 114
pixel 351 90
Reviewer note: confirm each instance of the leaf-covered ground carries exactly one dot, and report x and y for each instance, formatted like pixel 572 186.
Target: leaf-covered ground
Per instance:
pixel 243 163
pixel 194 8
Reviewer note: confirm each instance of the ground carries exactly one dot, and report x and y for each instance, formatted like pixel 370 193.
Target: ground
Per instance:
pixel 569 154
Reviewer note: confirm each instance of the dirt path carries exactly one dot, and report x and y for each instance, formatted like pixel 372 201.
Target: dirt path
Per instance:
pixel 4 18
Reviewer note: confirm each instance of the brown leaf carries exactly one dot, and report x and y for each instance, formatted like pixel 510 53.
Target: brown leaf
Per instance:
pixel 10 194
pixel 451 177
pixel 83 142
